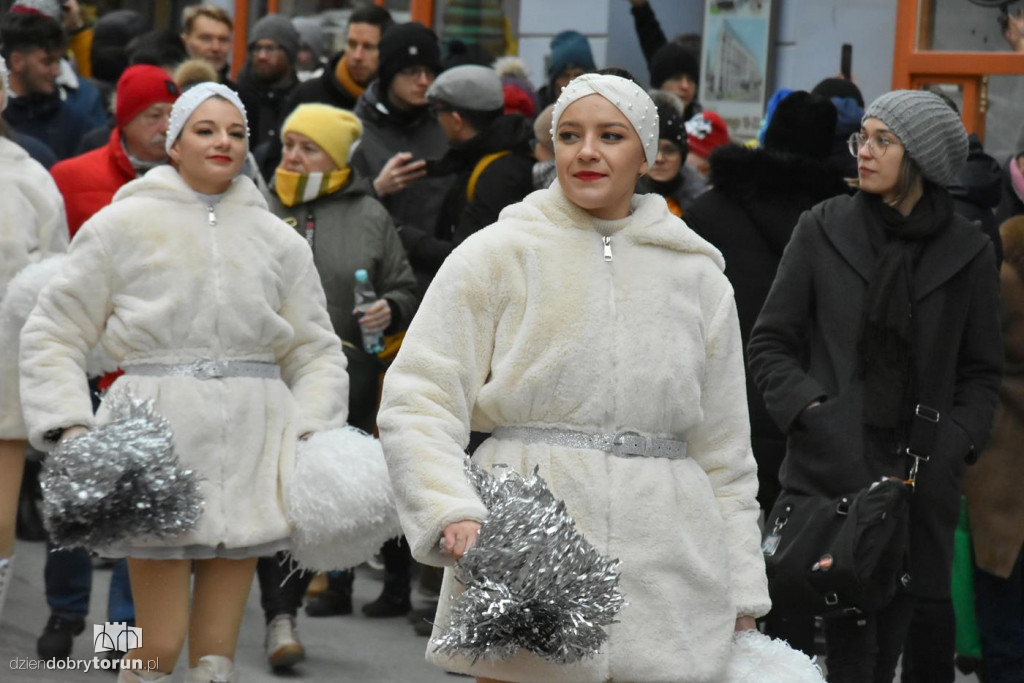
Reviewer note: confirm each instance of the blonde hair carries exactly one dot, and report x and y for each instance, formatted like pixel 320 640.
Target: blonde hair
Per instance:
pixel 193 71
pixel 193 12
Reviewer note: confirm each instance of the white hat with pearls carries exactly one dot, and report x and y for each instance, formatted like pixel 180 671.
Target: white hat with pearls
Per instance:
pixel 628 97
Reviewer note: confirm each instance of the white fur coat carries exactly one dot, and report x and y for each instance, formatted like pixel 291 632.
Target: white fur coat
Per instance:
pixel 153 281
pixel 527 324
pixel 33 228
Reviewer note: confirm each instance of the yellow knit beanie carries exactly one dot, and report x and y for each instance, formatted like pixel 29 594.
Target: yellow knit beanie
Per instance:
pixel 334 130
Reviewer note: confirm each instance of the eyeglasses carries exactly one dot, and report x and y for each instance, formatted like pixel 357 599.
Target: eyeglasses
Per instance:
pixel 269 49
pixel 417 72
pixel 877 145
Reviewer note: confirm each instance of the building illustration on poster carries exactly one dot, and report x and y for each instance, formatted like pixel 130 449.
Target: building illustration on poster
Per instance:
pixel 735 62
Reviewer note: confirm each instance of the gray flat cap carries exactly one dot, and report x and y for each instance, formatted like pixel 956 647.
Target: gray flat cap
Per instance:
pixel 477 88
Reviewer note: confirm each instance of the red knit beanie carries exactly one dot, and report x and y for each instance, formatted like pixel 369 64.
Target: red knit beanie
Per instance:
pixel 706 132
pixel 139 87
pixel 518 101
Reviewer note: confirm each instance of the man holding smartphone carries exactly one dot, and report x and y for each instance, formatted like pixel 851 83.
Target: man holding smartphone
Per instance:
pixel 399 132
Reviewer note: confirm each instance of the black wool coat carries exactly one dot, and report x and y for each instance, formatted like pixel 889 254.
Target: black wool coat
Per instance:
pixel 804 348
pixel 757 197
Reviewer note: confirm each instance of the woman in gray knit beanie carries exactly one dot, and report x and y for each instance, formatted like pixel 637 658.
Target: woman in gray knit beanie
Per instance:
pixel 882 326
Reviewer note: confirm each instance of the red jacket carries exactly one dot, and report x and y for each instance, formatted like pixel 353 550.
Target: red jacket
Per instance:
pixel 88 182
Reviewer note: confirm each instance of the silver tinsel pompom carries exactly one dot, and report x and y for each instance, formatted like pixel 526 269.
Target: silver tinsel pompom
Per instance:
pixel 119 482
pixel 532 581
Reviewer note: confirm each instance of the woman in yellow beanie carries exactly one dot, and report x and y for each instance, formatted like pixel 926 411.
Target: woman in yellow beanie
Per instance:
pixel 316 192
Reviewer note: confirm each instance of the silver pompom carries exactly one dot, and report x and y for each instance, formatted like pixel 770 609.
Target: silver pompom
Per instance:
pixel 532 581
pixel 119 482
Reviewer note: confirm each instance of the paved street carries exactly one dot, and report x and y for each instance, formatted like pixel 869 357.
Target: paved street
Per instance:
pixel 351 648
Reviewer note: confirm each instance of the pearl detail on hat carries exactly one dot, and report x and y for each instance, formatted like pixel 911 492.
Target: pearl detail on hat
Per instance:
pixel 616 90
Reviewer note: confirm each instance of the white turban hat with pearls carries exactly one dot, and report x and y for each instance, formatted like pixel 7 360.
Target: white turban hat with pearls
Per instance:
pixel 4 83
pixel 191 99
pixel 628 97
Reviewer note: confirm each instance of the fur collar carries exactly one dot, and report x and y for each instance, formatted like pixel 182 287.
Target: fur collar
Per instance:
pixel 163 182
pixel 748 174
pixel 649 223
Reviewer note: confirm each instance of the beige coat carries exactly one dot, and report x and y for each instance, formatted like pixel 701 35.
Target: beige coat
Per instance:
pixel 527 324
pixel 155 281
pixel 33 227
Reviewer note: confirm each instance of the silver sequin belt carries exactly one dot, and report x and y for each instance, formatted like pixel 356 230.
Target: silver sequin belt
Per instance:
pixel 207 369
pixel 625 444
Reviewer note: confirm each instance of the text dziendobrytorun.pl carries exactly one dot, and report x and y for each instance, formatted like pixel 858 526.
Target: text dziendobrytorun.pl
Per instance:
pixel 86 665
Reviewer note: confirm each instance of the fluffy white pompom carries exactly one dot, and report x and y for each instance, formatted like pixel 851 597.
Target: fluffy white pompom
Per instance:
pixel 339 500
pixel 756 658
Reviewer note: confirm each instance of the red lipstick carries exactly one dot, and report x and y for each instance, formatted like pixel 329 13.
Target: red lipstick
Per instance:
pixel 588 176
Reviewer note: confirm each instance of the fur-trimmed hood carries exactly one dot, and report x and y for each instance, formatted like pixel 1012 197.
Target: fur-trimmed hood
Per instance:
pixel 769 186
pixel 650 221
pixel 758 174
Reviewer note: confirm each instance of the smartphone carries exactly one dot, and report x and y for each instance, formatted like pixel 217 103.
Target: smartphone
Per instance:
pixel 431 166
pixel 846 61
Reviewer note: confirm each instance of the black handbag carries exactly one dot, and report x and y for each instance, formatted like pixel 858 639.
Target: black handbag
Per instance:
pixel 841 555
pixel 828 556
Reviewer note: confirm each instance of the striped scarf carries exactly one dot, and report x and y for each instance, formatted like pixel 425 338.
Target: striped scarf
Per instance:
pixel 297 188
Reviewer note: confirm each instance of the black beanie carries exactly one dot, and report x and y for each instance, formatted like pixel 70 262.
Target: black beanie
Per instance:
pixel 671 61
pixel 405 45
pixel 671 126
pixel 803 124
pixel 839 87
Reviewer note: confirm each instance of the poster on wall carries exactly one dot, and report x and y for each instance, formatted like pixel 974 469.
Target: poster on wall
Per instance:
pixel 735 62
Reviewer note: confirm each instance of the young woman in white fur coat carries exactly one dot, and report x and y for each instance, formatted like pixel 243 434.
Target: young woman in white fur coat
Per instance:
pixel 590 313
pixel 187 264
pixel 33 227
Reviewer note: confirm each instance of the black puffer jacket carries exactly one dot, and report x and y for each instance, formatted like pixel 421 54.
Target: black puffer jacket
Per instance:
pixel 1010 204
pixel 757 197
pixel 977 190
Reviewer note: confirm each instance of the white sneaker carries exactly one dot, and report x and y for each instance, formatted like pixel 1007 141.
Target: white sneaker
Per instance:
pixel 212 669
pixel 283 647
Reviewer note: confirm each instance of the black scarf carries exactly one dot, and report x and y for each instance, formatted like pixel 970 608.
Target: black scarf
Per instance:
pixel 887 339
pixel 666 188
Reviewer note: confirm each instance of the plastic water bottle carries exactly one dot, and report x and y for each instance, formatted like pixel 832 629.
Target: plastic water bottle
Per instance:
pixel 373 342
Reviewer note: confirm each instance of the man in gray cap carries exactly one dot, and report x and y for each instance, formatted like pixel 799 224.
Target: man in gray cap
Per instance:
pixel 264 84
pixel 490 155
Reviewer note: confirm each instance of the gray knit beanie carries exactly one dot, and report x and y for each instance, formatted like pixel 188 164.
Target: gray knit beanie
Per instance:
pixel 279 29
pixel 931 132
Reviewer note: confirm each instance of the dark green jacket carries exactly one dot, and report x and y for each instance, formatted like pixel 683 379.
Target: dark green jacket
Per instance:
pixel 352 231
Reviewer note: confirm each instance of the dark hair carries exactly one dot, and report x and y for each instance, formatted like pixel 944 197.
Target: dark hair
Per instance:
pixel 377 16
pixel 480 120
pixel 617 71
pixel 28 32
pixel 160 47
pixel 910 176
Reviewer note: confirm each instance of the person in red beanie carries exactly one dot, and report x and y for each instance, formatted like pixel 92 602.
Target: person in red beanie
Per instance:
pixel 705 132
pixel 88 182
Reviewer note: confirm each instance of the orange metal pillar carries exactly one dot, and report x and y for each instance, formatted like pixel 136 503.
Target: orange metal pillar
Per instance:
pixel 422 11
pixel 241 36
